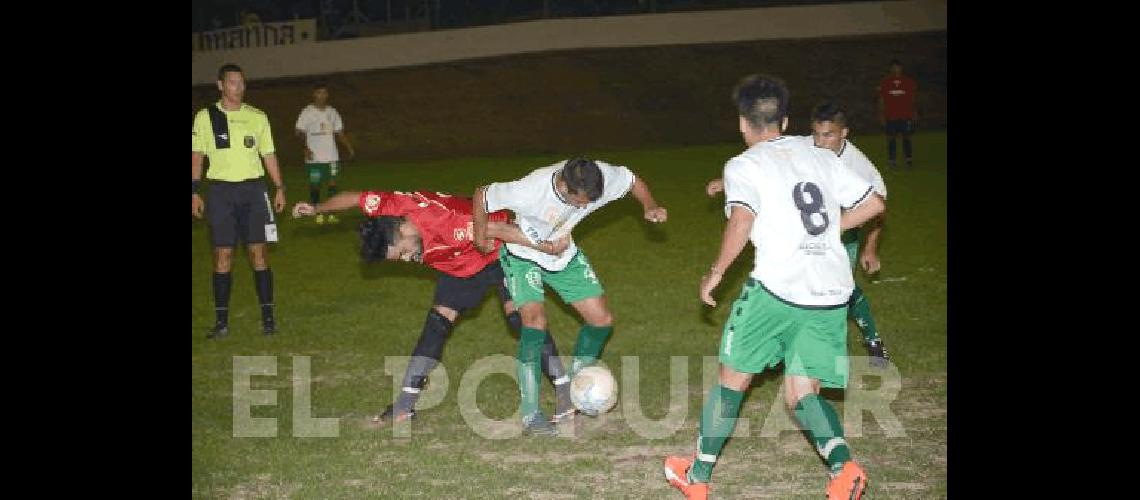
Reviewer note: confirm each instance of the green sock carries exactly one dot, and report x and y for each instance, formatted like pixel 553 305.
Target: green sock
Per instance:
pixel 718 419
pixel 529 363
pixel 859 309
pixel 819 419
pixel 589 346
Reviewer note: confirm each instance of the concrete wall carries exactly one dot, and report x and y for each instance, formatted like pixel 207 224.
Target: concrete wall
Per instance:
pixel 776 23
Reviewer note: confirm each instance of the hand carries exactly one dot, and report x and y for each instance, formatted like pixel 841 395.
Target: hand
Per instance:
pixel 708 283
pixel 351 154
pixel 197 205
pixel 870 262
pixel 279 201
pixel 303 209
pixel 658 214
pixel 308 154
pixel 714 186
pixel 485 245
pixel 555 247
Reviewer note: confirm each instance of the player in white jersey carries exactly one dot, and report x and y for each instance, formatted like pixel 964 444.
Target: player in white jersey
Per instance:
pixel 791 200
pixel 317 125
pixel 829 131
pixel 547 204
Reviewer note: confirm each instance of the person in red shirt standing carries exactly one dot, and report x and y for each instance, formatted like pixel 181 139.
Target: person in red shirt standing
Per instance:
pixel 436 229
pixel 897 112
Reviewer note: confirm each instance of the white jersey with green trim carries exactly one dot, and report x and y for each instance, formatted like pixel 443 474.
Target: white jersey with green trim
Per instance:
pixel 320 127
pixel 543 215
pixel 858 162
pixel 797 192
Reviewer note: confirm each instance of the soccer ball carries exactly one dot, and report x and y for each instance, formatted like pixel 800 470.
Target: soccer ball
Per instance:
pixel 593 390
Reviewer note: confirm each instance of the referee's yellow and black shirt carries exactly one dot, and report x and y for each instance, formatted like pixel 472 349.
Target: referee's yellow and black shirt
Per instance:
pixel 234 145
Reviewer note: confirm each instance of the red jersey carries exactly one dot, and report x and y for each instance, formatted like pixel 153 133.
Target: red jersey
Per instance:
pixel 445 225
pixel 898 93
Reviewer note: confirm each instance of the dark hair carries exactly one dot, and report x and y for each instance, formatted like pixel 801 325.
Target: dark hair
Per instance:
pixel 376 235
pixel 829 111
pixel 583 176
pixel 226 68
pixel 895 62
pixel 762 100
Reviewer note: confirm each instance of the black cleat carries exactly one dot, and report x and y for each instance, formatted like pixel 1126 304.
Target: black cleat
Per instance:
pixel 389 416
pixel 879 354
pixel 220 330
pixel 268 326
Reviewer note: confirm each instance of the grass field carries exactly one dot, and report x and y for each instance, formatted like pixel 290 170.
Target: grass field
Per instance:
pixel 346 317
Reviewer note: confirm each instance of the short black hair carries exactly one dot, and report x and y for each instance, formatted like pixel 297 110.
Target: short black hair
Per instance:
pixel 895 62
pixel 226 68
pixel 829 111
pixel 762 100
pixel 583 176
pixel 376 235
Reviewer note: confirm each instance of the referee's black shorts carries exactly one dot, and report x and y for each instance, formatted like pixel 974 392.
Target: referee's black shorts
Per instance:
pixel 239 211
pixel 465 293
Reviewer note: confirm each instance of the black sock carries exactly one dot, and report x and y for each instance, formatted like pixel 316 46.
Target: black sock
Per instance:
pixel 264 281
pixel 332 190
pixel 222 282
pixel 891 147
pixel 906 148
pixel 314 194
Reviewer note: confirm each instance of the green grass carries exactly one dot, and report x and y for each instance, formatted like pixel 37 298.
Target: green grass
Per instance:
pixel 347 317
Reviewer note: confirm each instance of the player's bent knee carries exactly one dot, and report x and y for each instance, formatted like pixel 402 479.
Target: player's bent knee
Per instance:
pixel 436 330
pixel 533 316
pixel 446 312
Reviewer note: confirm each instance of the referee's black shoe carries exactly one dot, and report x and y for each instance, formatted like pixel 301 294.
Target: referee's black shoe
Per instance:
pixel 268 326
pixel 220 330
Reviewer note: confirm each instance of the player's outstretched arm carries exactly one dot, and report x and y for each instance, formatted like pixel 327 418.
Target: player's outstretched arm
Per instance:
pixel 479 221
pixel 653 212
pixel 510 233
pixel 872 206
pixel 735 237
pixel 343 200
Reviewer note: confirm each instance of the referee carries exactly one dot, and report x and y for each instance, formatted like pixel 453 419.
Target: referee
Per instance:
pixel 236 136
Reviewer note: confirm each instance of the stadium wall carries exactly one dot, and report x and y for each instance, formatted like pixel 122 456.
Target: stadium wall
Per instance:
pixel 643 89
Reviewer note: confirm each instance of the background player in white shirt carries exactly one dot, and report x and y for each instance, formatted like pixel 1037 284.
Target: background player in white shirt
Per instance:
pixel 317 124
pixel 829 130
pixel 791 200
pixel 547 204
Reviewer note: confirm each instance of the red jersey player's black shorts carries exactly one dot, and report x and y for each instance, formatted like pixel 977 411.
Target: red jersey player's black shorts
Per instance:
pixel 465 293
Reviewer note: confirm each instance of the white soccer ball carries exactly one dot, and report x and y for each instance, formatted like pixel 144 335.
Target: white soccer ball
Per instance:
pixel 594 390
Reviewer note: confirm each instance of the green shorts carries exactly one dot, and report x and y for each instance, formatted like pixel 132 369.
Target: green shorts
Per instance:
pixel 525 279
pixel 763 330
pixel 850 239
pixel 318 172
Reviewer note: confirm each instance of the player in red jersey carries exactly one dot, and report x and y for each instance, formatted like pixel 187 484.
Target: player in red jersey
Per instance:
pixel 897 93
pixel 435 229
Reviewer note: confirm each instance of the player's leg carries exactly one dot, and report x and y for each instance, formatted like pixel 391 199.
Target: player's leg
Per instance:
pixel 223 236
pixel 859 308
pixel 892 133
pixel 425 356
pixel 551 363
pixel 579 286
pixel 332 168
pixel 315 173
pixel 817 357
pixel 908 129
pixel 257 225
pixel 525 284
pixel 751 343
